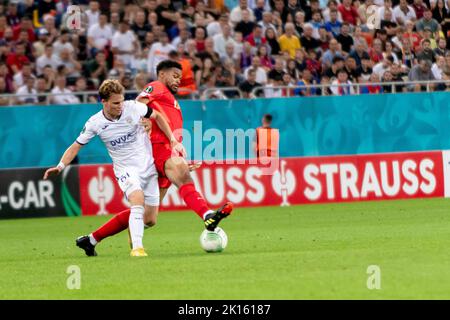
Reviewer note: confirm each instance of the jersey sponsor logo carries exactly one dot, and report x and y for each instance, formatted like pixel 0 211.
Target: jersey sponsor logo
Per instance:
pixel 128 138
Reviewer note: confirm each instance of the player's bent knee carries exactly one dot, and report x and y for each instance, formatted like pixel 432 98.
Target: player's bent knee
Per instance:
pixel 136 198
pixel 150 221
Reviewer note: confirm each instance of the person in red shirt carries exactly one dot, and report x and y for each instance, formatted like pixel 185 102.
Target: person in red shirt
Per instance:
pixel 25 25
pixel 170 163
pixel 17 59
pixel 256 38
pixel 348 12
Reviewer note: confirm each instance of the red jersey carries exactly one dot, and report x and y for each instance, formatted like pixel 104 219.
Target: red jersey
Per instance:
pixel 163 101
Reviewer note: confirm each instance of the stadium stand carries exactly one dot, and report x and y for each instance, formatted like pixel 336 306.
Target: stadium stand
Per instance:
pixel 325 47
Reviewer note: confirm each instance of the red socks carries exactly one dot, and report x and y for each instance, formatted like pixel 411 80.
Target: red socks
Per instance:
pixel 115 225
pixel 193 199
pixel 119 222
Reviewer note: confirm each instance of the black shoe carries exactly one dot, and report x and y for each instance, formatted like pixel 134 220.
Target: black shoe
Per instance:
pixel 84 243
pixel 213 219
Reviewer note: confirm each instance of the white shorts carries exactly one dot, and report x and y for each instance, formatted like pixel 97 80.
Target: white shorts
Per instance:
pixel 130 180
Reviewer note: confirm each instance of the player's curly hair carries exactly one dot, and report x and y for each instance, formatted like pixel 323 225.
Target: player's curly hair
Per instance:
pixel 110 87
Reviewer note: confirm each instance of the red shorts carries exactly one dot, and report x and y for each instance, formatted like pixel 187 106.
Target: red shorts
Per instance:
pixel 161 153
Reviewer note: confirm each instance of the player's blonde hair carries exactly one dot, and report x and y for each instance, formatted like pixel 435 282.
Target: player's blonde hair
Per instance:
pixel 110 87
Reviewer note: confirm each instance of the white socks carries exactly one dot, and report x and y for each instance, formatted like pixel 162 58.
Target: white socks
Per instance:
pixel 136 226
pixel 92 240
pixel 206 213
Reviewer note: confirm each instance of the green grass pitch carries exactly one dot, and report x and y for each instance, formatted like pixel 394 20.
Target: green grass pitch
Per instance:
pixel 298 252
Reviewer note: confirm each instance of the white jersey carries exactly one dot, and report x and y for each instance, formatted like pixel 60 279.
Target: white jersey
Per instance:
pixel 126 140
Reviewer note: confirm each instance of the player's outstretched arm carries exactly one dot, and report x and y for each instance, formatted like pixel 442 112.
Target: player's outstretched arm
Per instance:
pixel 67 158
pixel 164 126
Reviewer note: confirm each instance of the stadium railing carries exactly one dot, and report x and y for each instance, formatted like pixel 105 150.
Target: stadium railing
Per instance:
pixel 211 93
pixel 388 87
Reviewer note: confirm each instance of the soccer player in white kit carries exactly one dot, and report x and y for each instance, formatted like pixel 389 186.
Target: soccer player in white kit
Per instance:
pixel 118 126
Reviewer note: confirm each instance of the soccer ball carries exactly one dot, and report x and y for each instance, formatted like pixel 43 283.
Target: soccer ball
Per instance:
pixel 214 241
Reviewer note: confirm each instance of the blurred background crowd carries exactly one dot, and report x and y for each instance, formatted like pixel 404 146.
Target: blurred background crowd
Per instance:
pixel 67 47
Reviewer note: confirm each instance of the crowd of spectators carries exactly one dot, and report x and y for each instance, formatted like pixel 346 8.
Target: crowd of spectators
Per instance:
pixel 66 47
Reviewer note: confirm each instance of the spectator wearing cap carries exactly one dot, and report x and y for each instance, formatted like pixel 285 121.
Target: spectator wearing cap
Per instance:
pixel 333 51
pixel 99 35
pixel 26 94
pixel 427 22
pixel 48 58
pixel 349 13
pixel 15 60
pixel 158 52
pixel 403 12
pixel 341 86
pixel 421 72
pixel 222 39
pixel 289 42
pixel 124 44
pixel 63 42
pixel 381 67
pixel 42 41
pixel 61 94
pixel 236 13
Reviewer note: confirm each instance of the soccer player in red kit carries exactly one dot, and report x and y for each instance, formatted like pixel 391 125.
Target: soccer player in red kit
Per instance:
pixel 170 163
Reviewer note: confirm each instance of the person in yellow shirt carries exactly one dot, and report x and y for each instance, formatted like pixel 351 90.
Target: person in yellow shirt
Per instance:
pixel 289 42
